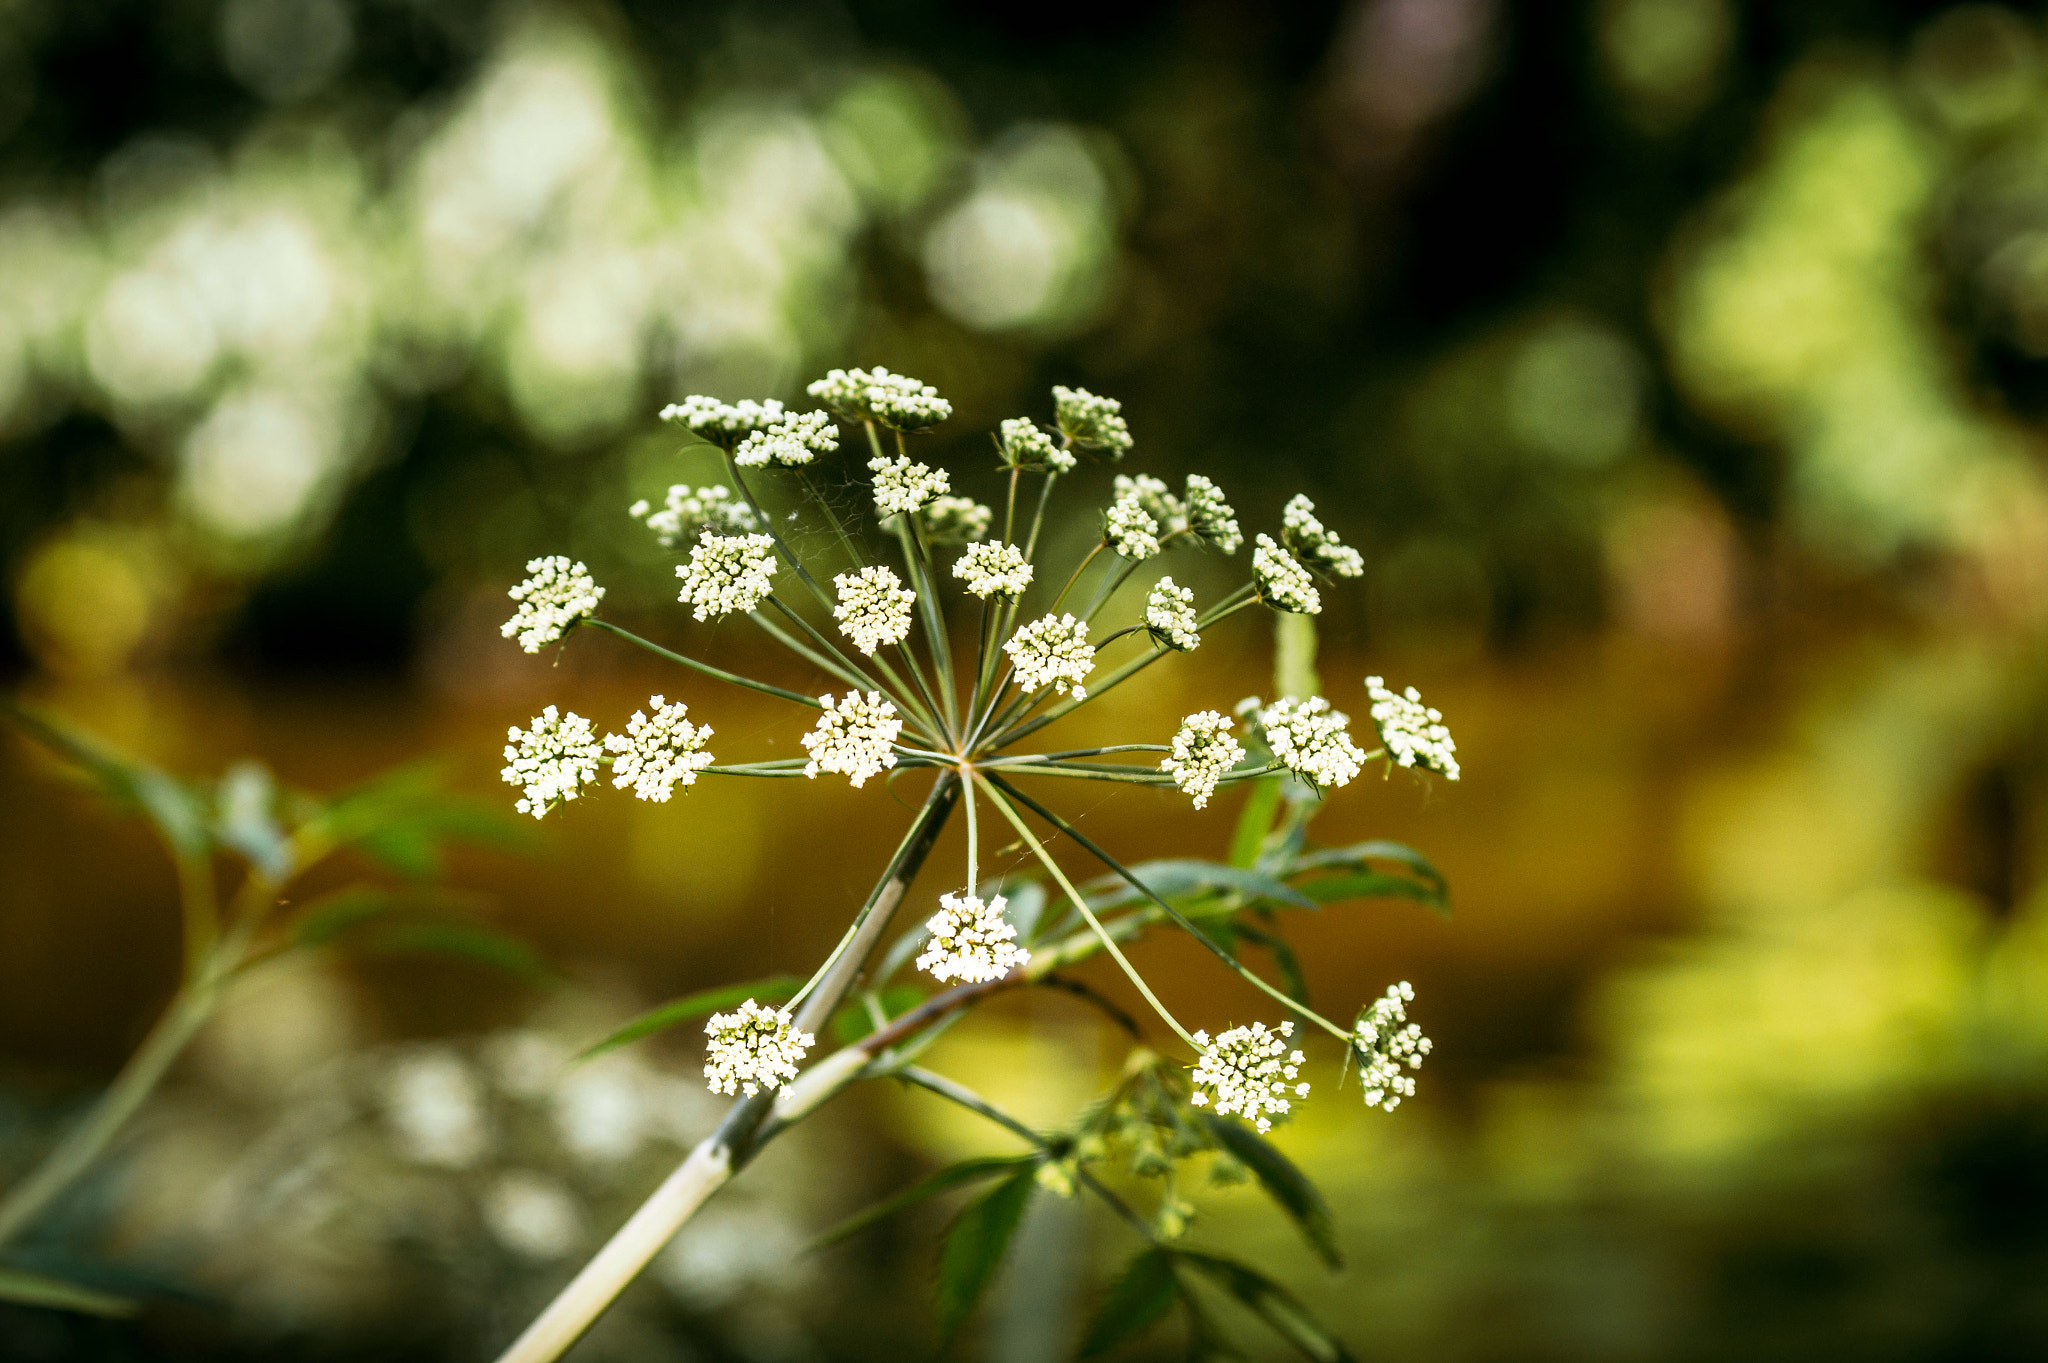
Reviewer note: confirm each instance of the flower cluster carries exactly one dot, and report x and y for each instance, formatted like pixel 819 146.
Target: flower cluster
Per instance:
pixel 554 597
pixel 1314 545
pixel 1052 651
pixel 1413 733
pixel 854 737
pixel 993 568
pixel 1384 1044
pixel 1209 516
pixel 902 485
pixel 689 512
pixel 1170 615
pixel 552 760
pixel 874 608
pixel 656 755
pixel 727 573
pixel 1090 422
pixel 956 520
pixel 971 941
pixel 752 1048
pixel 1312 739
pixel 720 423
pixel 1027 447
pixel 1249 1072
pixel 894 400
pixel 1283 583
pixel 790 443
pixel 1203 751
pixel 1130 529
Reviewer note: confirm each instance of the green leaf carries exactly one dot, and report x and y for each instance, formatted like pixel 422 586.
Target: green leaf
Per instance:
pixel 1359 856
pixel 852 1023
pixel 952 1176
pixel 1134 1303
pixel 975 1244
pixel 464 941
pixel 35 1289
pixel 1177 880
pixel 369 918
pixel 1253 821
pixel 1271 1303
pixel 245 819
pixel 1370 885
pixel 1283 1181
pixel 402 818
pixel 178 813
pixel 678 1011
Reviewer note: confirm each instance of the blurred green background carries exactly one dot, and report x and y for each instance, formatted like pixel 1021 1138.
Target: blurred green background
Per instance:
pixel 1680 366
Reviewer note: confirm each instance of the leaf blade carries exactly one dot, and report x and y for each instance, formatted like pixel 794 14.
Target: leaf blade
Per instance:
pixel 1282 1312
pixel 36 1289
pixel 952 1176
pixel 1282 1181
pixel 975 1244
pixel 1142 1293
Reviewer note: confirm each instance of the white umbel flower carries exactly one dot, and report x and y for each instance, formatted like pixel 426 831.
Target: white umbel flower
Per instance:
pixel 1203 750
pixel 1384 1044
pixel 1026 446
pixel 1170 615
pixel 1209 516
pixel 1313 544
pixel 993 568
pixel 556 594
pixel 1283 583
pixel 1130 530
pixel 790 443
pixel 971 941
pixel 1091 422
pixel 1413 733
pixel 1250 1073
pixel 720 423
pixel 656 755
pixel 752 1048
pixel 893 400
pixel 1312 739
pixel 1052 651
pixel 956 520
pixel 552 760
pixel 902 485
pixel 874 608
pixel 687 512
pixel 854 736
pixel 727 573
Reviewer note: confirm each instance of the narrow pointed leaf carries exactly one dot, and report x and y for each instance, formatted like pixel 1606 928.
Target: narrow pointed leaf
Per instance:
pixel 1254 822
pixel 1370 885
pixel 952 1176
pixel 1283 1181
pixel 975 1244
pixel 1134 1303
pixel 178 813
pixel 465 941
pixel 1271 1303
pixel 678 1011
pixel 1359 856
pixel 36 1289
pixel 1182 879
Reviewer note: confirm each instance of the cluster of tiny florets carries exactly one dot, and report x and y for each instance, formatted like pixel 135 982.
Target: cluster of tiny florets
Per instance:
pixel 993 568
pixel 1091 422
pixel 1170 615
pixel 873 608
pixel 902 485
pixel 1027 446
pixel 1414 734
pixel 1209 516
pixel 551 761
pixel 656 755
pixel 1384 1044
pixel 1312 739
pixel 971 941
pixel 790 443
pixel 1203 751
pixel 1130 530
pixel 689 512
pixel 722 423
pixel 1313 544
pixel 555 595
pixel 1249 1072
pixel 752 1048
pixel 855 736
pixel 1282 582
pixel 1052 651
pixel 727 573
pixel 893 400
pixel 956 520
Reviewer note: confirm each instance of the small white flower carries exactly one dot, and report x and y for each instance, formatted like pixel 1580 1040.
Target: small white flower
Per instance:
pixel 687 512
pixel 1283 583
pixel 1130 530
pixel 657 755
pixel 993 568
pixel 874 608
pixel 1210 516
pixel 893 400
pixel 719 423
pixel 956 520
pixel 902 485
pixel 1312 740
pixel 854 736
pixel 1203 750
pixel 1170 615
pixel 1314 545
pixel 1413 733
pixel 752 1048
pixel 790 443
pixel 552 760
pixel 1384 1044
pixel 1157 499
pixel 1052 651
pixel 1249 1072
pixel 971 941
pixel 1025 446
pixel 1091 422
pixel 555 595
pixel 727 573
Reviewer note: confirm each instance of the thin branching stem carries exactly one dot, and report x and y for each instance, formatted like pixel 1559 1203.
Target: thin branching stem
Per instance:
pixel 706 668
pixel 781 546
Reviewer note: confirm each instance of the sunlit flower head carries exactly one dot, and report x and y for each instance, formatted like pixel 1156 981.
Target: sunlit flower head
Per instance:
pixel 1170 615
pixel 1313 544
pixel 1282 582
pixel 752 1048
pixel 656 755
pixel 971 941
pixel 902 485
pixel 1209 516
pixel 1249 1072
pixel 1312 739
pixel 993 568
pixel 1027 446
pixel 689 512
pixel 790 443
pixel 893 400
pixel 1052 651
pixel 555 596
pixel 1413 734
pixel 854 736
pixel 873 607
pixel 1129 529
pixel 727 573
pixel 956 520
pixel 1091 422
pixel 1203 751
pixel 1385 1040
pixel 721 423
pixel 552 760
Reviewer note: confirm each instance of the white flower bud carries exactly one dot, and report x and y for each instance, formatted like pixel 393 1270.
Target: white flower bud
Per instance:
pixel 656 755
pixel 993 568
pixel 1413 734
pixel 1312 739
pixel 1203 751
pixel 971 941
pixel 1283 583
pixel 1249 1072
pixel 1170 616
pixel 903 486
pixel 1314 545
pixel 752 1048
pixel 552 760
pixel 854 737
pixel 1091 422
pixel 874 608
pixel 1384 1044
pixel 790 443
pixel 727 573
pixel 1052 651
pixel 555 596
